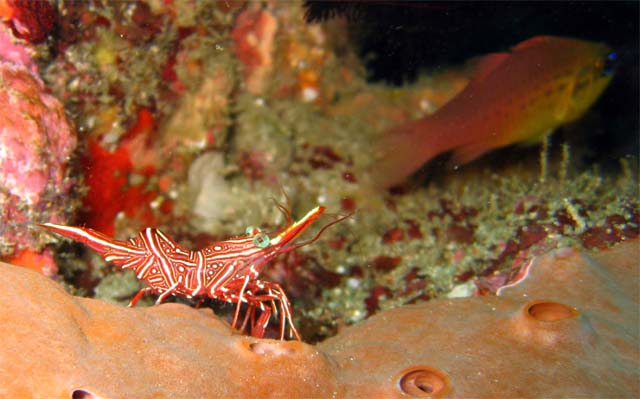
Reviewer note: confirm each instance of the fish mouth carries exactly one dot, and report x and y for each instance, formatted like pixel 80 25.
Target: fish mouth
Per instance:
pixel 594 77
pixel 610 64
pixel 590 82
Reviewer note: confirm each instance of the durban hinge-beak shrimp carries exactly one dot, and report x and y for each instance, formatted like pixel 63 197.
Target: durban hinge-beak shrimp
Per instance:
pixel 227 270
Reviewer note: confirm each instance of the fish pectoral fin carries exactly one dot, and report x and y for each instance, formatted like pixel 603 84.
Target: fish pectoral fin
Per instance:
pixel 565 99
pixel 467 153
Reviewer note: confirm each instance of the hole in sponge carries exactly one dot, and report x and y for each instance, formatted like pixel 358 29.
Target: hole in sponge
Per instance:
pixel 82 394
pixel 423 382
pixel 550 311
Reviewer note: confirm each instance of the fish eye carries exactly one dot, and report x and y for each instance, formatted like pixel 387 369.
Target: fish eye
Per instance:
pixel 610 63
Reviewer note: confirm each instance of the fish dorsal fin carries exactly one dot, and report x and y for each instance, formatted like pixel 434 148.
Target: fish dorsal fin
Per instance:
pixel 534 41
pixel 483 66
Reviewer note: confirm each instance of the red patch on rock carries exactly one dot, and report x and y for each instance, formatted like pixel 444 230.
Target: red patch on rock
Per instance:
pixel 373 300
pixel 600 237
pixel 563 218
pixel 393 235
pixel 413 231
pixel 413 282
pixel 251 163
pixel 349 177
pixel 348 204
pixel 385 263
pixel 107 178
pixel 531 234
pixel 460 234
pixel 323 157
pixel 30 20
pixel 42 262
pixel 464 276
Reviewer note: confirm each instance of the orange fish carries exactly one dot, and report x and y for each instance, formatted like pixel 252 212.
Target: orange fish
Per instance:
pixel 515 97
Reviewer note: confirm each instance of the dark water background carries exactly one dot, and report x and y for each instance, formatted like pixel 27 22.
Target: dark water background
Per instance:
pixel 400 39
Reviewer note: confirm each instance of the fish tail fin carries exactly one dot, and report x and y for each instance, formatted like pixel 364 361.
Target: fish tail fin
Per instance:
pixel 403 150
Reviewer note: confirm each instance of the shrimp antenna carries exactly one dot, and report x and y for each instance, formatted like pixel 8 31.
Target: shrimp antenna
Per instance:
pixel 318 234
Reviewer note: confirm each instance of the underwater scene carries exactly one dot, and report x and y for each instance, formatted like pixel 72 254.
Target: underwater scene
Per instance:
pixel 319 199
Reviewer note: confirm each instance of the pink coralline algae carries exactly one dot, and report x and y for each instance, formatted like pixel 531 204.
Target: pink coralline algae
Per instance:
pixel 253 37
pixel 36 142
pixel 16 51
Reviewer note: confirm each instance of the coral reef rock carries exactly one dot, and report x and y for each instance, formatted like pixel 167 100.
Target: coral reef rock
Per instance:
pixel 568 329
pixel 36 142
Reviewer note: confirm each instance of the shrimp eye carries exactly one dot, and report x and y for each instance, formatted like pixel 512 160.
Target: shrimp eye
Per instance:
pixel 261 240
pixel 252 230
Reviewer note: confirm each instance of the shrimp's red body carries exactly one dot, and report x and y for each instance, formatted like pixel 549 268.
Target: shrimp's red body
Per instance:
pixel 227 270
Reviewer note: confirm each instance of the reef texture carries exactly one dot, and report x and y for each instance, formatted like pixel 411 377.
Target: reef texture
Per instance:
pixel 193 116
pixel 36 142
pixel 567 327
